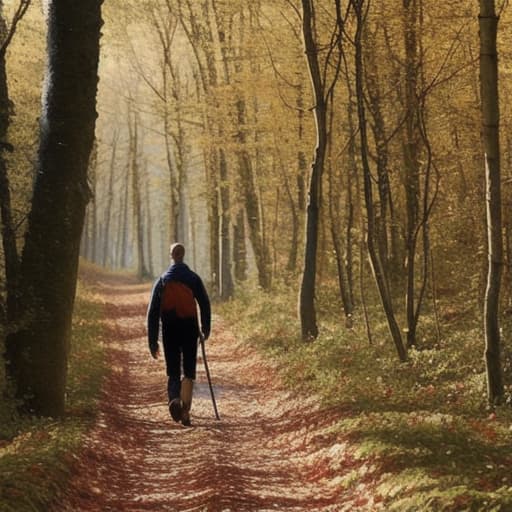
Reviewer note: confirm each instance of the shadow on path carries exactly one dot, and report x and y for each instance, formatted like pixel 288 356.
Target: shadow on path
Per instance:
pixel 261 455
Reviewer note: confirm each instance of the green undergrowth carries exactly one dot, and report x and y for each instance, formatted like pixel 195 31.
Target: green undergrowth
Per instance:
pixel 420 434
pixel 36 454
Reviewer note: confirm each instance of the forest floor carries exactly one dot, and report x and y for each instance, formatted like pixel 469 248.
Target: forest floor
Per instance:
pixel 270 450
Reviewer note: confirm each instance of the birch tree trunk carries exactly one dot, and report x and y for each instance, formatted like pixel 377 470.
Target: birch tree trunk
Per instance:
pixel 488 21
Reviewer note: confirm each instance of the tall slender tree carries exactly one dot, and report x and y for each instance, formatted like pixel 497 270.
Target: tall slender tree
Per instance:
pixel 322 90
pixel 110 199
pixel 136 195
pixel 488 21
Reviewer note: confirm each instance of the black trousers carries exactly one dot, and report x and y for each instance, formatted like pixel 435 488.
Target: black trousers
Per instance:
pixel 180 337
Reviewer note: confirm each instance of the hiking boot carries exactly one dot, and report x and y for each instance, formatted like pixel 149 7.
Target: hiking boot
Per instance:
pixel 187 388
pixel 176 409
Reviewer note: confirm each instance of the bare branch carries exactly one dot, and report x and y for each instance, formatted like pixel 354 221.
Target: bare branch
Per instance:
pixel 18 16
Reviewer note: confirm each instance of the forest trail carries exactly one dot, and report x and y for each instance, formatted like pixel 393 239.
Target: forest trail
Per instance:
pixel 268 451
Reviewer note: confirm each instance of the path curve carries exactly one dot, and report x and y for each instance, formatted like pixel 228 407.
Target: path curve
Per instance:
pixel 266 453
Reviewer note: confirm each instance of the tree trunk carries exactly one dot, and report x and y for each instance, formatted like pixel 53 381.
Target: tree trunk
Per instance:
pixel 178 178
pixel 110 199
pixel 173 200
pixel 93 205
pixel 138 227
pixel 490 128
pixel 352 175
pixel 411 160
pixel 381 147
pixel 335 225
pixel 301 156
pixel 239 248
pixel 124 220
pixel 214 220
pixel 149 224
pixel 297 202
pixel 85 241
pixel 307 310
pixel 377 267
pixel 37 353
pixel 205 42
pixel 181 164
pixel 252 203
pixel 343 284
pixel 226 278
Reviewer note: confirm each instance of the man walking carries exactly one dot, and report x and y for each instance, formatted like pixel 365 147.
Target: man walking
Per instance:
pixel 173 303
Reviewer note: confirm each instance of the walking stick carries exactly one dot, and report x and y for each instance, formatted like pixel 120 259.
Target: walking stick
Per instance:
pixel 201 340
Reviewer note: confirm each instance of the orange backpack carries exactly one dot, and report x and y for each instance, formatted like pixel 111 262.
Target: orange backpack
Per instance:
pixel 178 297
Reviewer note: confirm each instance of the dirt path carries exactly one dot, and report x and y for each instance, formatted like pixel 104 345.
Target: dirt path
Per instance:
pixel 268 452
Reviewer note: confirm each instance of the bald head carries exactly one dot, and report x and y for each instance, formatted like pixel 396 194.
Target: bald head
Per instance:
pixel 177 252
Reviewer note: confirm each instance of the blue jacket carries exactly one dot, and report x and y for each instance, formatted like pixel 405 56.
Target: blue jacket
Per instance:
pixel 177 273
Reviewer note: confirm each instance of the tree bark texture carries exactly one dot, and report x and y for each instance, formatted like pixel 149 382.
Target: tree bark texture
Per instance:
pixel 488 21
pixel 38 352
pixel 307 310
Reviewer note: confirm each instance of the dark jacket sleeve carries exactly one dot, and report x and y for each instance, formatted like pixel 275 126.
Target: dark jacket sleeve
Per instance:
pixel 204 306
pixel 153 316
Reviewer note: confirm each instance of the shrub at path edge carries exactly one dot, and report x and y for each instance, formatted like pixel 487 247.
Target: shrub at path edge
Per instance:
pixel 36 454
pixel 420 434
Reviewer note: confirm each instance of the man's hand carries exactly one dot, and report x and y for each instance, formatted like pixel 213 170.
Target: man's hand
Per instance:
pixel 155 353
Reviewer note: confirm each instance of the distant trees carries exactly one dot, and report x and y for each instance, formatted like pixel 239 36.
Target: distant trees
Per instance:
pixel 8 227
pixel 387 95
pixel 37 352
pixel 379 269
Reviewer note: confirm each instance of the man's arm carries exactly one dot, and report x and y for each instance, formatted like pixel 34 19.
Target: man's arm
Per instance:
pixel 204 306
pixel 153 317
